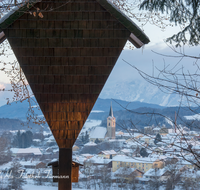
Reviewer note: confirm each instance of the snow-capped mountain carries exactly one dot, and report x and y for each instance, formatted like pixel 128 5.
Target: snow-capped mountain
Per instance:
pixel 139 91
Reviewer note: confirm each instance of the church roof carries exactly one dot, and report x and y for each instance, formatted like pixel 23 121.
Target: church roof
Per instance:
pixel 111 111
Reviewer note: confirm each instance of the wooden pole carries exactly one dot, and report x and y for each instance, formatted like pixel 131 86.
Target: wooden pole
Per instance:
pixel 65 168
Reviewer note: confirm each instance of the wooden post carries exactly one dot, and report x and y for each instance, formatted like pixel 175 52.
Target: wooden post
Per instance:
pixel 65 168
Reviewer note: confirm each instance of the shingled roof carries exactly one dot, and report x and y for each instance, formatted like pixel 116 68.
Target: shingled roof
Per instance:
pixel 137 37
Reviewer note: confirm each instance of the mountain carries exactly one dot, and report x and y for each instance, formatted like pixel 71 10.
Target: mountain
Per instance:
pixel 138 90
pixel 104 105
pixel 19 110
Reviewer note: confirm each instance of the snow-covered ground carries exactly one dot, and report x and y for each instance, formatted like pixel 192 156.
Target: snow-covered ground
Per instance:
pixel 96 111
pixel 193 117
pixel 89 124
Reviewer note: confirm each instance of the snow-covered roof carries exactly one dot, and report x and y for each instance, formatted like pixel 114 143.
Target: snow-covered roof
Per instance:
pixel 90 144
pixel 35 151
pixel 108 152
pixel 117 140
pixel 36 140
pixel 155 172
pixel 124 171
pixel 14 150
pixel 125 151
pixel 99 160
pixel 50 138
pixel 29 163
pixel 86 155
pixel 156 129
pixel 98 133
pixel 123 158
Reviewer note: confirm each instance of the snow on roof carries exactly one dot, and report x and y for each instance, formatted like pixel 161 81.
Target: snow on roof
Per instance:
pixel 80 159
pixel 29 163
pixel 14 150
pixel 99 160
pixel 35 151
pixel 90 144
pixel 123 158
pixel 156 128
pixel 36 140
pixel 125 150
pixel 15 131
pixel 86 155
pixel 107 152
pixel 183 162
pixel 124 171
pixel 98 133
pixel 45 133
pixel 117 140
pixel 155 172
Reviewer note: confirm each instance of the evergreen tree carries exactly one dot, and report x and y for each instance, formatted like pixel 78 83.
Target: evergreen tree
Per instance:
pixel 143 152
pixel 97 141
pixel 181 12
pixel 85 138
pixel 23 140
pixel 158 138
pixel 16 179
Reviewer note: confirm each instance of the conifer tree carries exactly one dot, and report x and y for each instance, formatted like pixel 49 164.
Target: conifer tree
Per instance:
pixel 157 139
pixel 181 12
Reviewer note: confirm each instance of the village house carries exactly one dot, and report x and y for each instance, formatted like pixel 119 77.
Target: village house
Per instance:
pixel 158 174
pixel 26 152
pixel 128 173
pixel 142 164
pixel 108 154
pixel 96 161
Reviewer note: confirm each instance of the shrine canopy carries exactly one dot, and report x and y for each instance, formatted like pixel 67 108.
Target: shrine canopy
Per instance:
pixel 68 55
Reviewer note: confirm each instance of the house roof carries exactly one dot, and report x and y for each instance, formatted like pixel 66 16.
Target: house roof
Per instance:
pixel 90 144
pixel 108 152
pixel 98 133
pixel 35 151
pixel 155 172
pixel 123 158
pixel 137 37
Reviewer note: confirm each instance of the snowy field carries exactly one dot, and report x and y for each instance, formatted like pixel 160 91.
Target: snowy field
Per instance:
pixel 97 111
pixel 193 117
pixel 89 124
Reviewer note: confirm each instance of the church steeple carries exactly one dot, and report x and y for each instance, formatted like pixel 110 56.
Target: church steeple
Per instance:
pixel 111 124
pixel 111 111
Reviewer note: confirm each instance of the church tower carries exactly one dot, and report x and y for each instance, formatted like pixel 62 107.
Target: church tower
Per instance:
pixel 111 124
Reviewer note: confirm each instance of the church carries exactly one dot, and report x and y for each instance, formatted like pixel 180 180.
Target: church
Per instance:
pixel 101 133
pixel 111 124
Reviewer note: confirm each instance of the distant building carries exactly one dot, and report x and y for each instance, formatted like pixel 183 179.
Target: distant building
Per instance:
pixel 142 164
pixel 155 130
pixel 108 154
pixel 98 133
pixel 101 133
pixel 111 124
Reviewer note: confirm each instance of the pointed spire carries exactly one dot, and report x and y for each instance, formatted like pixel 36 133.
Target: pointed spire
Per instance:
pixel 111 111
